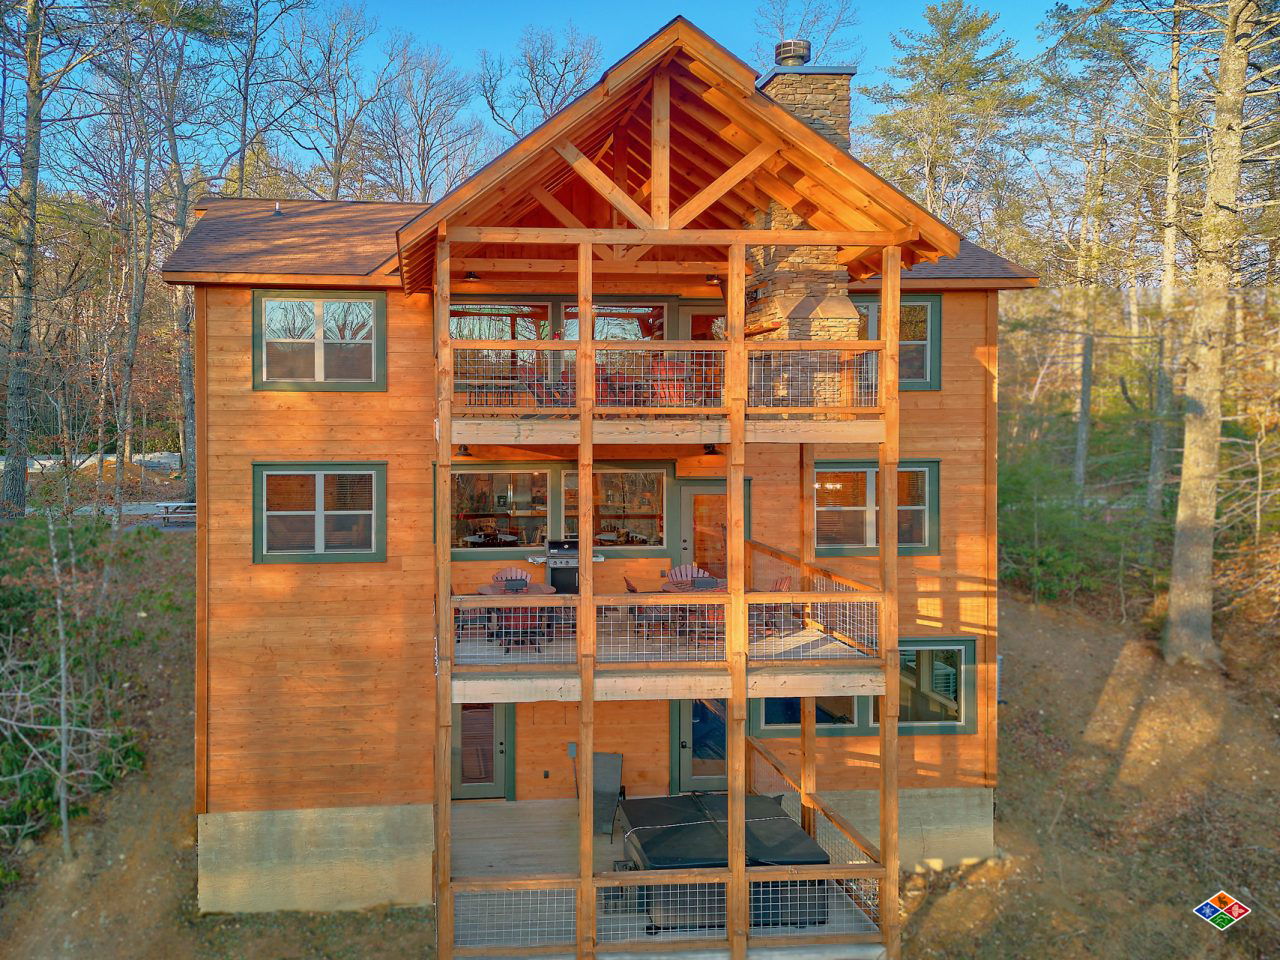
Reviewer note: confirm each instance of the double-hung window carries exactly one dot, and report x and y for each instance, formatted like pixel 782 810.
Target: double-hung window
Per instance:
pixel 919 339
pixel 330 513
pixel 319 340
pixel 846 513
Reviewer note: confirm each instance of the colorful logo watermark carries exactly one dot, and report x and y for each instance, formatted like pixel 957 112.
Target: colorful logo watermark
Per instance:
pixel 1222 910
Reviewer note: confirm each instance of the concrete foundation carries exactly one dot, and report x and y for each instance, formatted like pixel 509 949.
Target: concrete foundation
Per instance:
pixel 333 858
pixel 351 858
pixel 938 828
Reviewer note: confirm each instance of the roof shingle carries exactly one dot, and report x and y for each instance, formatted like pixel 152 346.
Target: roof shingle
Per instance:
pixel 307 237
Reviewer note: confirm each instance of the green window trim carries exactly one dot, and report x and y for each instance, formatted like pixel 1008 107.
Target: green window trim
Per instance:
pixel 934 347
pixel 379 552
pixel 933 490
pixel 864 724
pixel 379 382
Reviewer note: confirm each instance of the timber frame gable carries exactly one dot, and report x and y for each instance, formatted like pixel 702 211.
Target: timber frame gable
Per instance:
pixel 670 157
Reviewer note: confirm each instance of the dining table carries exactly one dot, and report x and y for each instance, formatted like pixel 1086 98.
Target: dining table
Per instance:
pixel 500 590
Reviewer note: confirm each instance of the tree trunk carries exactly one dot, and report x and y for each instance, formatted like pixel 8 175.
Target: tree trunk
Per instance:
pixel 1189 635
pixel 13 484
pixel 1082 420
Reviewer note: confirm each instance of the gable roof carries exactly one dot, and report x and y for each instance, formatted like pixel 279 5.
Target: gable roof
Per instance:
pixel 305 238
pixel 714 95
pixel 352 238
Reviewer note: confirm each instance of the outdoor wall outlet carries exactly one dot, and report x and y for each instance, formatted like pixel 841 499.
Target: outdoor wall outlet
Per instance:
pixel 546 774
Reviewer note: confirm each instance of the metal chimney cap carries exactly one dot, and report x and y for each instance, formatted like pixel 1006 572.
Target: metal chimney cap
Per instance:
pixel 792 53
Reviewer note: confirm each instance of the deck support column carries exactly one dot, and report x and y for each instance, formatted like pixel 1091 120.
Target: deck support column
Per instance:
pixel 586 386
pixel 808 705
pixel 738 893
pixel 887 500
pixel 443 772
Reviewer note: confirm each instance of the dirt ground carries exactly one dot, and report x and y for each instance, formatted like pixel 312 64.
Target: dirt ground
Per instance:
pixel 1129 792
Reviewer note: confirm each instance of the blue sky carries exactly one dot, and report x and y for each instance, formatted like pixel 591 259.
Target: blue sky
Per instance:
pixel 468 27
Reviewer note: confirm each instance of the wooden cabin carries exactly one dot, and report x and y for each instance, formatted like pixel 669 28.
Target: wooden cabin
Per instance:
pixel 723 720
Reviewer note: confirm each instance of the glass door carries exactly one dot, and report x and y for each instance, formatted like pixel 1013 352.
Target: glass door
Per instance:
pixel 704 526
pixel 481 750
pixel 702 746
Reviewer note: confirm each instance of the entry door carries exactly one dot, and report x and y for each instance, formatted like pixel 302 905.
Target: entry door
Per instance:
pixel 702 746
pixel 480 757
pixel 704 527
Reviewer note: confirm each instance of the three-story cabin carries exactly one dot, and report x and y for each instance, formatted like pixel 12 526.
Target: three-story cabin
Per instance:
pixel 605 552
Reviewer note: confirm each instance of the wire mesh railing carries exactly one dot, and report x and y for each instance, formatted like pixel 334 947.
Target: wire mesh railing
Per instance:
pixel 514 378
pixel 651 628
pixel 515 918
pixel 660 911
pixel 650 376
pixel 827 906
pixel 503 630
pixel 811 378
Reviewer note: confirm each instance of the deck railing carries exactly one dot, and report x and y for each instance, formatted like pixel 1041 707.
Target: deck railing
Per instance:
pixel 847 888
pixel 519 629
pixel 799 611
pixel 657 628
pixel 801 379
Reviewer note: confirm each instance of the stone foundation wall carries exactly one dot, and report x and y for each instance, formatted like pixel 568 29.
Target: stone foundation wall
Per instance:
pixel 937 827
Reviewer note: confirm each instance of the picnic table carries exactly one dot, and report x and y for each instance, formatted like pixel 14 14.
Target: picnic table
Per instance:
pixel 175 510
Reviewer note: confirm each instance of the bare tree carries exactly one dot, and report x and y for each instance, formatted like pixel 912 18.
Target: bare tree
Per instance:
pixel 1243 30
pixel 545 75
pixel 828 25
pixel 50 40
pixel 328 124
pixel 423 142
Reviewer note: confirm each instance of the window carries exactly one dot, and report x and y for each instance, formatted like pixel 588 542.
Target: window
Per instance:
pixel 493 510
pixel 319 340
pixel 846 512
pixel 331 513
pixel 938 683
pixel 919 339
pixel 620 321
pixel 931 688
pixel 501 321
pixel 629 507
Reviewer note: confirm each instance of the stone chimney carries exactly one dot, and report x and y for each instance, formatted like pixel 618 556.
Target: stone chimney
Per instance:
pixel 803 289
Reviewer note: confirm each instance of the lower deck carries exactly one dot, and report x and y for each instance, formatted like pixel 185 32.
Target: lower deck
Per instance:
pixel 499 841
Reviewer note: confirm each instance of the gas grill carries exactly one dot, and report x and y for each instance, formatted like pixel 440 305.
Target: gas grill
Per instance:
pixel 561 560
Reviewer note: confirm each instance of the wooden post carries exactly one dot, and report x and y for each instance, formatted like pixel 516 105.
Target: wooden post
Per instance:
pixel 808 705
pixel 887 499
pixel 808 763
pixel 736 635
pixel 444 603
pixel 586 608
pixel 660 151
pixel 808 515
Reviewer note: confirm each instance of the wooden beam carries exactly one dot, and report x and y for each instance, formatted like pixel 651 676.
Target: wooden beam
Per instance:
pixel 563 214
pixel 569 267
pixel 681 238
pixel 443 772
pixel 738 893
pixel 887 500
pixel 660 151
pixel 586 363
pixel 595 177
pixel 721 185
